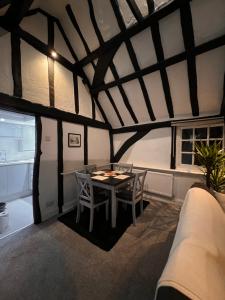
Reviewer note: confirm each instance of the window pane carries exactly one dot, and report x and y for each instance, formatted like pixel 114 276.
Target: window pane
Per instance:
pixel 187 146
pixel 201 133
pixel 187 134
pixel 186 159
pixel 216 132
pixel 218 142
pixel 200 142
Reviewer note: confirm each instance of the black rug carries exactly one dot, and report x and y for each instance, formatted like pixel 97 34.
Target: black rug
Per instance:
pixel 103 235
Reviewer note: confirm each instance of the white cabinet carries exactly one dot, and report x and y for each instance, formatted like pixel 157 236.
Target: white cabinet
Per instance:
pixel 3 183
pixel 15 181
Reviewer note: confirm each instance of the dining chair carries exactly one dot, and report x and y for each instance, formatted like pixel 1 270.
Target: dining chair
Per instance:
pixel 88 198
pixel 90 168
pixel 134 195
pixel 123 167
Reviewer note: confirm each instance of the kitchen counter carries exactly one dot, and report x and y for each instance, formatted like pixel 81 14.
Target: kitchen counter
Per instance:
pixel 18 162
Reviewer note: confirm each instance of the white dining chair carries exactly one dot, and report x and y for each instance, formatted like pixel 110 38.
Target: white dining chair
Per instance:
pixel 134 195
pixel 88 198
pixel 90 168
pixel 123 167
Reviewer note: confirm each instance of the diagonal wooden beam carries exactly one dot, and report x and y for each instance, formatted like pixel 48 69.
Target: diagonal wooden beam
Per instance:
pixel 163 73
pixel 151 6
pixel 15 14
pixel 115 107
pixel 106 60
pixel 135 10
pixel 189 43
pixel 133 30
pixel 200 49
pixel 133 58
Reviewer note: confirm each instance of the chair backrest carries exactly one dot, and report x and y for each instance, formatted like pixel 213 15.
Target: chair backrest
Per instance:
pixel 90 168
pixel 124 167
pixel 138 186
pixel 85 187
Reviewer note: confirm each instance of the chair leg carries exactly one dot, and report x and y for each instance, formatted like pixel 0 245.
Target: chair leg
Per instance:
pixel 134 214
pixel 107 210
pixel 142 208
pixel 78 213
pixel 91 219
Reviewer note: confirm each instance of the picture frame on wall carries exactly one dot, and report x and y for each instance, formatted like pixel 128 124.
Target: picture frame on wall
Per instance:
pixel 74 140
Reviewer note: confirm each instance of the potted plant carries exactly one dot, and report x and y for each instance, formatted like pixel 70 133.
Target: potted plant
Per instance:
pixel 211 158
pixel 217 181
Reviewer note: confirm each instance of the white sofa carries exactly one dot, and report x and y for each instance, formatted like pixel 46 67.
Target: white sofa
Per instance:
pixel 196 265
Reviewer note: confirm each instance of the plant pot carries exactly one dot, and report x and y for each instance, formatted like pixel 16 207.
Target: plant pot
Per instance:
pixel 220 197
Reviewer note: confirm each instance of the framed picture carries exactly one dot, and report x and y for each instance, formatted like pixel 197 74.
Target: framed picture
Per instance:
pixel 74 140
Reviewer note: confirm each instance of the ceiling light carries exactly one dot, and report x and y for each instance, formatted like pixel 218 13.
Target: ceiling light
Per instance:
pixel 54 54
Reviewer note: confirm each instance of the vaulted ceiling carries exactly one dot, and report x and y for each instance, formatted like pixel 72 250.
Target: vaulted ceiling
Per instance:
pixel 146 61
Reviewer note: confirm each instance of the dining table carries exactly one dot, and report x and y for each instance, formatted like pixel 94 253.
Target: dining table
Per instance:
pixel 111 181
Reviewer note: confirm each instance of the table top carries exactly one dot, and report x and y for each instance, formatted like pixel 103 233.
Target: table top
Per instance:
pixel 112 180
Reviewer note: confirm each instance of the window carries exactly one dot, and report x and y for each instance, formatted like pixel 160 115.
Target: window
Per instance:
pixel 189 136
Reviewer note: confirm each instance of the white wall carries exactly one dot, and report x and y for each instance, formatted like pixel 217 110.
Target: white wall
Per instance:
pixel 152 151
pixel 98 146
pixel 48 178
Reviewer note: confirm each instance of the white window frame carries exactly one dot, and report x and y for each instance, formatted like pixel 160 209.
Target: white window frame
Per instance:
pixel 193 125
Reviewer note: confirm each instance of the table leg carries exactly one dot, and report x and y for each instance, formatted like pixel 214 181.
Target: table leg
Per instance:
pixel 113 204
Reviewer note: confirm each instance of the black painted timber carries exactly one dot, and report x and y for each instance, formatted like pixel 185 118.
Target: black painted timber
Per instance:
pixel 60 165
pixel 16 65
pixel 22 105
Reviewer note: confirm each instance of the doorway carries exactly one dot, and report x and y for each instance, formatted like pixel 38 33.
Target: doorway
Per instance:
pixel 17 151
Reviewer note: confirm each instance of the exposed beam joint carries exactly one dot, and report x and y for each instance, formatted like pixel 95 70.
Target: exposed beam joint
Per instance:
pixel 126 35
pixel 205 47
pixel 135 10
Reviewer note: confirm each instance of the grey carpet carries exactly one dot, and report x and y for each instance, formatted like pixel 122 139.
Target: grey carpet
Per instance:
pixel 50 261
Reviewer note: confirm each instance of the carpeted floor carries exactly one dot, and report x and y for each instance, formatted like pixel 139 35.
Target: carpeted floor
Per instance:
pixel 50 261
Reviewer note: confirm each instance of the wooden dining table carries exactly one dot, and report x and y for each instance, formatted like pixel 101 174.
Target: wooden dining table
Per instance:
pixel 112 182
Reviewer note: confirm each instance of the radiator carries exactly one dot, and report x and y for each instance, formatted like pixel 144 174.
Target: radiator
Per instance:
pixel 159 184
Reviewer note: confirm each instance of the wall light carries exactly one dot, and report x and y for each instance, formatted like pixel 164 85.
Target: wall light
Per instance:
pixel 54 54
pixel 2 120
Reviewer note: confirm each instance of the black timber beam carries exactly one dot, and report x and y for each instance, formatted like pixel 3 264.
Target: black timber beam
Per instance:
pixel 4 3
pixel 189 43
pixel 198 50
pixel 15 14
pixel 135 10
pixel 151 6
pixel 22 105
pixel 156 37
pixel 123 36
pixel 104 61
pixel 133 58
pixel 16 65
pixel 115 107
pixel 222 110
pixel 132 140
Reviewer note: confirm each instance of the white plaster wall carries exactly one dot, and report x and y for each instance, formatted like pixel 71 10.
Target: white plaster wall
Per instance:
pixel 6 82
pixel 122 61
pixel 152 151
pixel 98 146
pixel 48 178
pixel 120 139
pixel 64 91
pixel 60 45
pixel 34 69
pixel 37 26
pixel 73 159
pixel 85 102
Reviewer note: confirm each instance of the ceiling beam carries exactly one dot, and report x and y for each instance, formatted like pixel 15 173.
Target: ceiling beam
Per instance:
pixel 198 50
pixel 133 59
pixel 4 3
pixel 151 6
pixel 156 37
pixel 133 30
pixel 15 14
pixel 135 10
pixel 189 44
pixel 103 62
